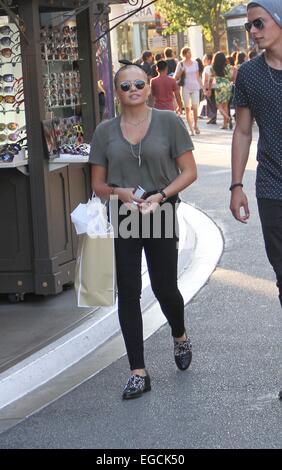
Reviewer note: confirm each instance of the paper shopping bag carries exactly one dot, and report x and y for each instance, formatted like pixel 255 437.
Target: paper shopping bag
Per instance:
pixel 95 274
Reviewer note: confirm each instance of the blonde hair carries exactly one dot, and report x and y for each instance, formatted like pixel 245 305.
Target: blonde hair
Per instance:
pixel 101 86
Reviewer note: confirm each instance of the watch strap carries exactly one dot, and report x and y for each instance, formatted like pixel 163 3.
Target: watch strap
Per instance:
pixel 163 194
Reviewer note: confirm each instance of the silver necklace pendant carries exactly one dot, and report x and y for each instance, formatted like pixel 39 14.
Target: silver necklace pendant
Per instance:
pixel 139 153
pixel 274 81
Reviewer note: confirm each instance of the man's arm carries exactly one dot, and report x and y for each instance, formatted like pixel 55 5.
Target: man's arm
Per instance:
pixel 178 98
pixel 199 79
pixel 241 142
pixel 206 83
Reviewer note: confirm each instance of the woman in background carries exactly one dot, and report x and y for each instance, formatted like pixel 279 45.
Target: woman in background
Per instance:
pixel 191 88
pixel 221 71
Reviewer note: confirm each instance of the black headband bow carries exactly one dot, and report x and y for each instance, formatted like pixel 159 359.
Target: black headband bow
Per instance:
pixel 128 62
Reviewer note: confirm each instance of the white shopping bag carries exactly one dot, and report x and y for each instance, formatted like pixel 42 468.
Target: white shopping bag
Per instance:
pixel 90 217
pixel 95 273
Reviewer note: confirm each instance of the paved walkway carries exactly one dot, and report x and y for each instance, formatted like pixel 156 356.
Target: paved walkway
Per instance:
pixel 228 398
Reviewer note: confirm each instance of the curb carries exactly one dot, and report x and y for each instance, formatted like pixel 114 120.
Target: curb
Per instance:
pixel 200 246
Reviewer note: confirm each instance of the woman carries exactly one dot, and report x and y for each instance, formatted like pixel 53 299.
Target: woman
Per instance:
pixel 221 72
pixel 101 98
pixel 150 148
pixel 191 88
pixel 241 58
pixel 209 89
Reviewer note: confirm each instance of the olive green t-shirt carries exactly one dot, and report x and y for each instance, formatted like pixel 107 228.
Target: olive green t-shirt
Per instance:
pixel 166 139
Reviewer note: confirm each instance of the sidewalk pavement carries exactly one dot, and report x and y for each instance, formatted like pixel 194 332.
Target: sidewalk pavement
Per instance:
pixel 228 398
pixel 30 357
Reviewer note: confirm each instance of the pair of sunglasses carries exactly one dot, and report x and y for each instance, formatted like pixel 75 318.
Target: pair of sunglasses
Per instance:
pixel 7 98
pixel 6 89
pixel 258 24
pixel 15 136
pixel 6 157
pixel 127 85
pixel 7 30
pixel 12 126
pixel 8 77
pixel 11 148
pixel 6 41
pixel 73 149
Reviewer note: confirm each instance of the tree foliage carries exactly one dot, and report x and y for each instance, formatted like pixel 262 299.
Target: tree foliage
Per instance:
pixel 181 14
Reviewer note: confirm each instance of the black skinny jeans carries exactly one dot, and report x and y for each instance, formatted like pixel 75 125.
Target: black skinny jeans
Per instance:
pixel 270 212
pixel 162 257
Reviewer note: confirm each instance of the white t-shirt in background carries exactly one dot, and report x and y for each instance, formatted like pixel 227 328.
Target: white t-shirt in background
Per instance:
pixel 191 82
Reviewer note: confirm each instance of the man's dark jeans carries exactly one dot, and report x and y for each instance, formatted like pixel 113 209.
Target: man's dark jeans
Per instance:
pixel 270 212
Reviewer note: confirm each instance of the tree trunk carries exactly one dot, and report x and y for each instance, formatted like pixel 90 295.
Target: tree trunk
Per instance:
pixel 216 40
pixel 216 30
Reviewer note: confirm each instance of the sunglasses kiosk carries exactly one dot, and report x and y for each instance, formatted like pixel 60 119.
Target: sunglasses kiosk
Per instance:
pixel 48 111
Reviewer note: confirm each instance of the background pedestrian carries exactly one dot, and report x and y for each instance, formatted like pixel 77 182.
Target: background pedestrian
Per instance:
pixel 170 60
pixel 209 89
pixel 191 87
pixel 222 73
pixel 165 90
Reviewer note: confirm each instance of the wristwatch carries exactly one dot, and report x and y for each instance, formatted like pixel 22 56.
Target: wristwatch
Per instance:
pixel 163 195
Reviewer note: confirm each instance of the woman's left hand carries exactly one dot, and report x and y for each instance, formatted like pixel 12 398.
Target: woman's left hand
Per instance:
pixel 150 204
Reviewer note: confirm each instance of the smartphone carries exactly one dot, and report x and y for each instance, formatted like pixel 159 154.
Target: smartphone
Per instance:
pixel 139 192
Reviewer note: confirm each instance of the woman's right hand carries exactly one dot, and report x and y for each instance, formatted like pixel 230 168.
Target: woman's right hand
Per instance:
pixel 126 195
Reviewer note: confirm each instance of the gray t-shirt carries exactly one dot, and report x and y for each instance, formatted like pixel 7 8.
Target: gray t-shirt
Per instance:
pixel 166 139
pixel 259 88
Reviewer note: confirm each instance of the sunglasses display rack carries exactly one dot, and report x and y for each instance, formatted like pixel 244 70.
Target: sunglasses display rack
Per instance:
pixel 12 113
pixel 61 77
pixel 62 91
pixel 56 66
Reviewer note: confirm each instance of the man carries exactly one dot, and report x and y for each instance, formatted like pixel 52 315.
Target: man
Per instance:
pixel 165 90
pixel 171 62
pixel 158 57
pixel 148 60
pixel 258 94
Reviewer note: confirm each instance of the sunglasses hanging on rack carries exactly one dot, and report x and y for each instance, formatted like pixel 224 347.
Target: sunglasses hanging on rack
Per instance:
pixel 12 131
pixel 7 31
pixel 11 126
pixel 13 138
pixel 62 89
pixel 15 100
pixel 7 41
pixel 8 77
pixel 59 44
pixel 9 52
